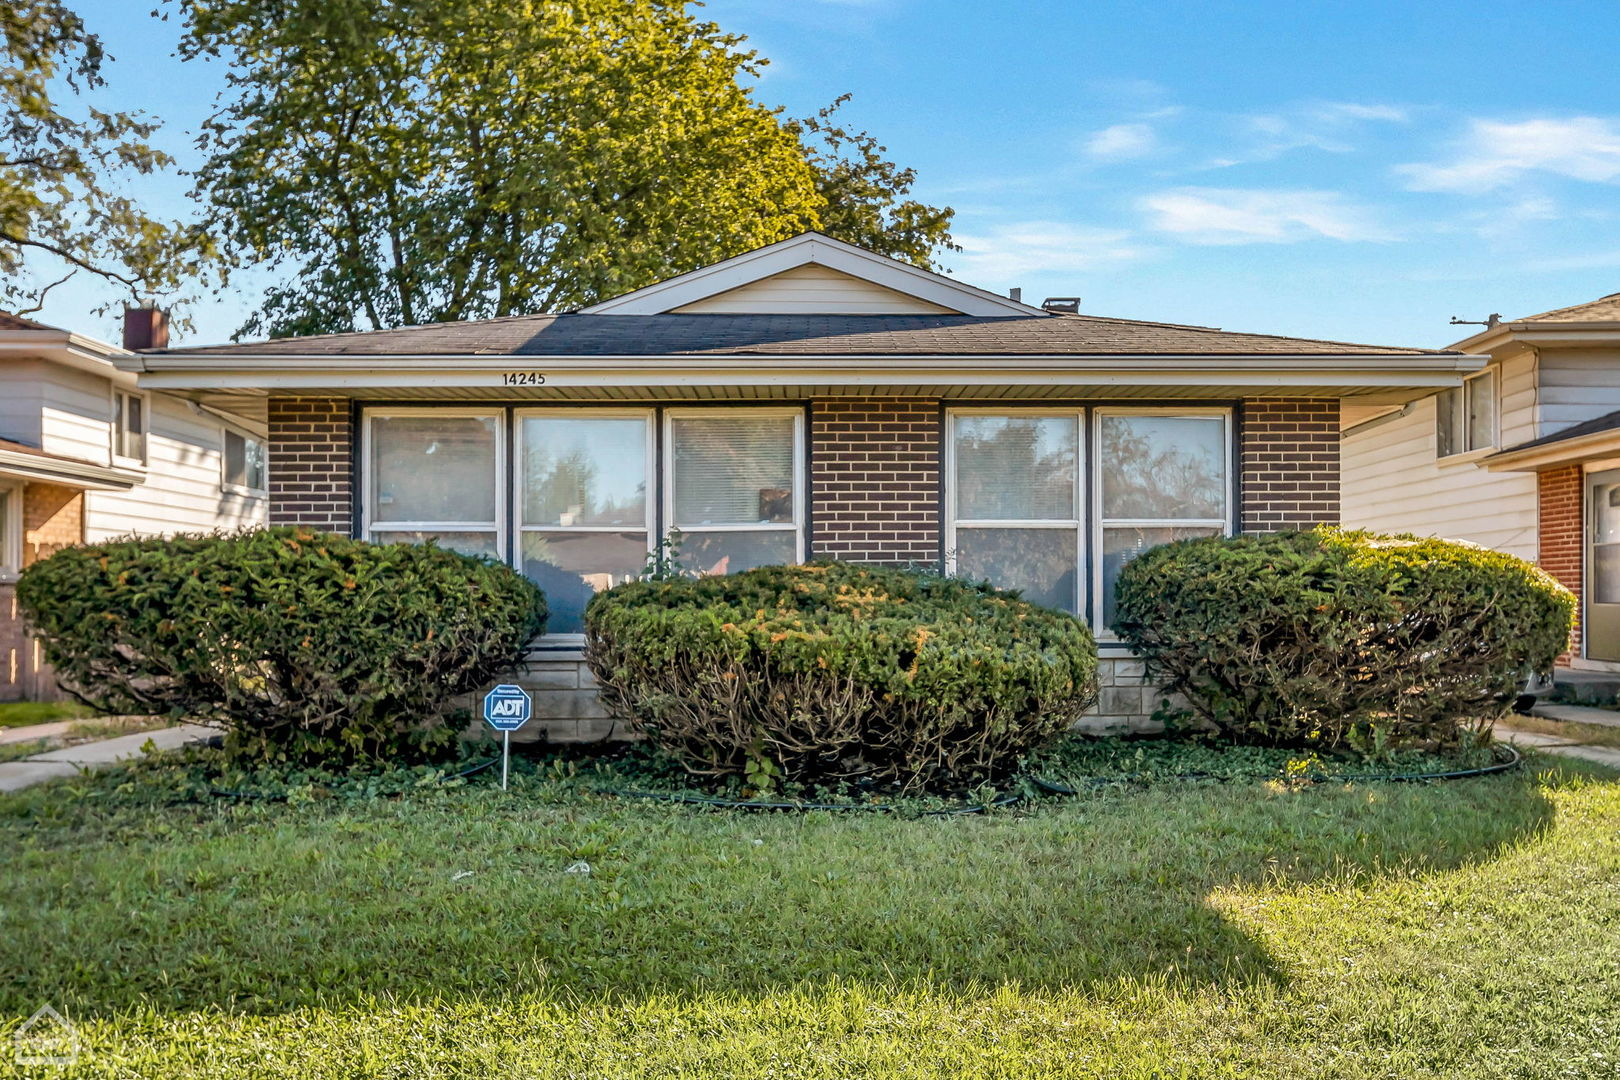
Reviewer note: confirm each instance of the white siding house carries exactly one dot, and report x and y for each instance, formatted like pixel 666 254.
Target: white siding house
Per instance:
pixel 85 456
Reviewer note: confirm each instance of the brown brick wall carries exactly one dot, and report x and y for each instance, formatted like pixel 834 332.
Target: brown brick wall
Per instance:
pixel 874 479
pixel 53 518
pixel 311 460
pixel 1560 536
pixel 1288 460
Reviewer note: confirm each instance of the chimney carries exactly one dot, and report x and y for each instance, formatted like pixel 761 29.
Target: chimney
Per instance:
pixel 145 327
pixel 1061 305
pixel 1016 295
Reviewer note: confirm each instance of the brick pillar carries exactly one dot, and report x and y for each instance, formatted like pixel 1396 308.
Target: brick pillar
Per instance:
pixel 53 518
pixel 1288 463
pixel 1561 538
pixel 311 463
pixel 874 480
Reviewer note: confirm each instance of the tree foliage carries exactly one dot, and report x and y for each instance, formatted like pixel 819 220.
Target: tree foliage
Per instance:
pixel 60 207
pixel 410 161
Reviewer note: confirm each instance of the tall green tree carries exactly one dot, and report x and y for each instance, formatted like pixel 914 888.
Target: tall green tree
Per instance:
pixel 410 161
pixel 61 209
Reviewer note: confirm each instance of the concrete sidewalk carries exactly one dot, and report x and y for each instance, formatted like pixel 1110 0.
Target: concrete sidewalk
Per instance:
pixel 16 775
pixel 1561 745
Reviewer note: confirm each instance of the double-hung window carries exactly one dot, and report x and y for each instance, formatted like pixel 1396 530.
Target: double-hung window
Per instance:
pixel 1465 418
pixel 243 464
pixel 584 504
pixel 1016 502
pixel 733 486
pixel 1161 476
pixel 436 474
pixel 1029 508
pixel 129 426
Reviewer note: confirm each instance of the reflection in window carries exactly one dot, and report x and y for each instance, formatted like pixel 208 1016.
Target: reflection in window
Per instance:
pixel 733 492
pixel 434 476
pixel 585 513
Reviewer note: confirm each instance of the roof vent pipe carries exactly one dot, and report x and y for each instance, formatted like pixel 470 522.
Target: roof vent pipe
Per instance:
pixel 1061 305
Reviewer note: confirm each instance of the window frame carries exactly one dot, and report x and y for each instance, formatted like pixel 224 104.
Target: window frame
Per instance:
pixel 500 527
pixel 518 489
pixel 226 432
pixel 1082 482
pixel 118 426
pixel 666 474
pixel 1099 524
pixel 1459 414
pixel 11 532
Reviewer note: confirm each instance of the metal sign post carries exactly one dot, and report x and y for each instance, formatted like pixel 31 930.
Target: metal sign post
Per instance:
pixel 507 708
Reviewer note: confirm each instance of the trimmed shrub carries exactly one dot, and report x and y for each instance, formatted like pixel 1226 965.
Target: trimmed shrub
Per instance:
pixel 300 645
pixel 831 671
pixel 1331 637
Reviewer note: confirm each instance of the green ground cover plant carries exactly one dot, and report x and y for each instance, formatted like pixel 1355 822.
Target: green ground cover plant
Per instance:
pixel 839 672
pixel 1248 929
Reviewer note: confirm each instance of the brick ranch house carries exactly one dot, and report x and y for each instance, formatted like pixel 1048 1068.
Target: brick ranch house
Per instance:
pixel 806 400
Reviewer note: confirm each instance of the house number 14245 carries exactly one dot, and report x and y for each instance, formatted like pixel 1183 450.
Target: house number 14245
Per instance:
pixel 523 378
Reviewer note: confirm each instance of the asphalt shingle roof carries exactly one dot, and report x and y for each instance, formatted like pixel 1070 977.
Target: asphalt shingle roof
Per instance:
pixel 1606 422
pixel 1603 309
pixel 799 335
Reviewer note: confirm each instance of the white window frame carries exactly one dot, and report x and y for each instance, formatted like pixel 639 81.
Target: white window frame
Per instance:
pixel 118 424
pixel 1082 471
pixel 1099 523
pixel 667 449
pixel 1463 440
pixel 11 532
pixel 519 489
pixel 500 527
pixel 225 484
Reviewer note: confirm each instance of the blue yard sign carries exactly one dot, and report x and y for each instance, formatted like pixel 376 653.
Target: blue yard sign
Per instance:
pixel 507 708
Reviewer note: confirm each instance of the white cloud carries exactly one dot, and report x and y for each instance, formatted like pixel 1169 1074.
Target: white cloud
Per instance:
pixel 1122 142
pixel 1259 216
pixel 1350 110
pixel 1496 153
pixel 1005 253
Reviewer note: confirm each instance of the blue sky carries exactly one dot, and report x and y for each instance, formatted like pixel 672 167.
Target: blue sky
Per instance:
pixel 1359 171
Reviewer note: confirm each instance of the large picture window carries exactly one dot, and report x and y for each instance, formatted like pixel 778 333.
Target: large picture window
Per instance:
pixel 435 474
pixel 1019 482
pixel 584 504
pixel 1016 497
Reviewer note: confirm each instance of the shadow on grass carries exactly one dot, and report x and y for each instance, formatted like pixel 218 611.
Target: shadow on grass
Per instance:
pixel 465 893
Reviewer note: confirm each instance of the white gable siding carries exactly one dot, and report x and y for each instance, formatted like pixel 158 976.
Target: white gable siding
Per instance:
pixel 20 400
pixel 812 290
pixel 1393 483
pixel 76 414
pixel 182 491
pixel 1577 385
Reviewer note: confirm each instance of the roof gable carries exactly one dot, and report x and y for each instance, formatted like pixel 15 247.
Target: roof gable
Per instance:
pixel 813 289
pixel 810 249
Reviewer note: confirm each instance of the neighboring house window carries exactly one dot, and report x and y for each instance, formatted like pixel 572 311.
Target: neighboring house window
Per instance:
pixel 244 463
pixel 10 533
pixel 1465 418
pixel 129 425
pixel 1017 482
pixel 585 513
pixel 584 508
pixel 731 486
pixel 436 474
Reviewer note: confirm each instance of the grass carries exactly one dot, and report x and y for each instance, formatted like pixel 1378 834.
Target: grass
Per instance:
pixel 1592 734
pixel 26 713
pixel 1167 930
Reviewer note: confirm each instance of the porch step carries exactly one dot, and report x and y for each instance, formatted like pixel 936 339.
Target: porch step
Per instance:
pixel 1585 687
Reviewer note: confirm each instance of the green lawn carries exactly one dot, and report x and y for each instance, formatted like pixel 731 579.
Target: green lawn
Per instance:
pixel 1469 929
pixel 26 713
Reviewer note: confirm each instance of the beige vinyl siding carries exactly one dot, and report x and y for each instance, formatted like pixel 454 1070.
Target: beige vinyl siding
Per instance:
pixel 812 290
pixel 20 400
pixel 1392 481
pixel 182 490
pixel 1577 385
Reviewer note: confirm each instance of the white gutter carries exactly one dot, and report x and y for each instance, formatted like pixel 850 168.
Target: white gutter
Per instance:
pixel 71 350
pixel 326 372
pixel 80 474
pixel 1582 448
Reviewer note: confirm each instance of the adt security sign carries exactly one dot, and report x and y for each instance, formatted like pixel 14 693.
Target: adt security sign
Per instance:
pixel 507 708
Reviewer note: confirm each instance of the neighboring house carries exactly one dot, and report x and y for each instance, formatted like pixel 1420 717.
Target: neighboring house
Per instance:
pixel 87 455
pixel 1522 458
pixel 806 400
